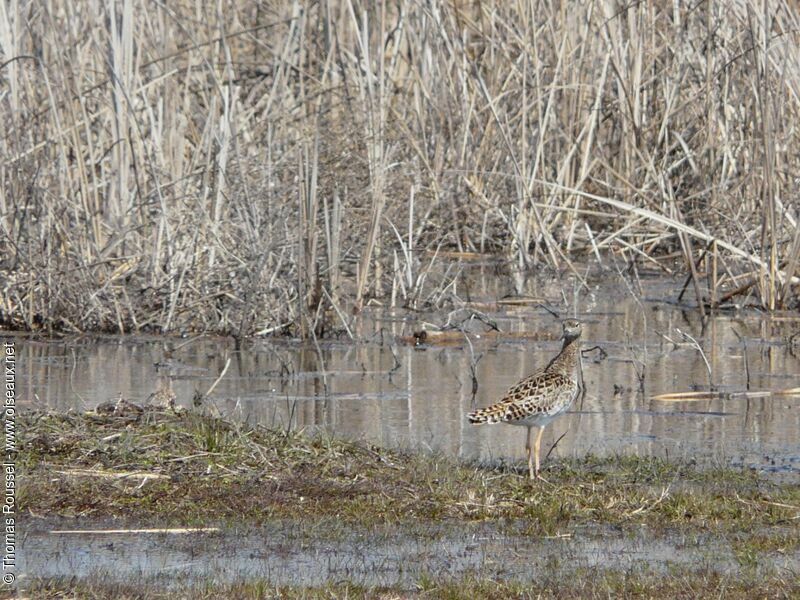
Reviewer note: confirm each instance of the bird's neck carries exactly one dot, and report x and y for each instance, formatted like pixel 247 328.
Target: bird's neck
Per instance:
pixel 566 362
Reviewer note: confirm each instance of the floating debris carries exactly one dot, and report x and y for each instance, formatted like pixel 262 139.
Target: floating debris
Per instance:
pixel 787 392
pixel 450 338
pixel 700 396
pixel 688 396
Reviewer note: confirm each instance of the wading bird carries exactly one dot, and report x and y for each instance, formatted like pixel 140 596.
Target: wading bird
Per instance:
pixel 540 398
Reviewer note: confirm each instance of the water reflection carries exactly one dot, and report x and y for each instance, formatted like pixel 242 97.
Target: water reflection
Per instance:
pixel 396 394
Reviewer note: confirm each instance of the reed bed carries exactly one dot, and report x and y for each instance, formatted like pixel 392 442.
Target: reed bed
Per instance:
pixel 274 167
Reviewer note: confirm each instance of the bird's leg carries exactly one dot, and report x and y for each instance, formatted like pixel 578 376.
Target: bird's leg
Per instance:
pixel 528 448
pixel 536 446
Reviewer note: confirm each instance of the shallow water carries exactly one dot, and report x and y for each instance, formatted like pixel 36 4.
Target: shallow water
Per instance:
pixel 291 554
pixel 393 393
pixel 396 394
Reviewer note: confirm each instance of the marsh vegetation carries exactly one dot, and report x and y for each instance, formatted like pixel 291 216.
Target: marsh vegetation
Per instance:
pixel 174 470
pixel 101 466
pixel 277 168
pixel 273 168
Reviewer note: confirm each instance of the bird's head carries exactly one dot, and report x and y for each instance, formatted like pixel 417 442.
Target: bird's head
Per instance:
pixel 572 329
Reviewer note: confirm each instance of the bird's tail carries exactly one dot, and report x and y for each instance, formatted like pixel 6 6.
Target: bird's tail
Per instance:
pixel 495 413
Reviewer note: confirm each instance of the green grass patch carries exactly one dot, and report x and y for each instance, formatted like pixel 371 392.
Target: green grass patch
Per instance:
pixel 202 469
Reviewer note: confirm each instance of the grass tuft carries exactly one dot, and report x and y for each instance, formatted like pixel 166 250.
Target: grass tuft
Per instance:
pixel 205 469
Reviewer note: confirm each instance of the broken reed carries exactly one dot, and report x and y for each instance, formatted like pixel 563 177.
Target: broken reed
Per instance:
pixel 249 169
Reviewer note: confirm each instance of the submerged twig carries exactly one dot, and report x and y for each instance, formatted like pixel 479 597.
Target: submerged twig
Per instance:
pixel 697 346
pixel 218 379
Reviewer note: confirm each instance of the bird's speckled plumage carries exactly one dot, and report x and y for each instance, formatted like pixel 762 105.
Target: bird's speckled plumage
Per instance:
pixel 540 398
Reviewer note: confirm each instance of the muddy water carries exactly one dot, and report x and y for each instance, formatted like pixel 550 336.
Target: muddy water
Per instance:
pixel 395 394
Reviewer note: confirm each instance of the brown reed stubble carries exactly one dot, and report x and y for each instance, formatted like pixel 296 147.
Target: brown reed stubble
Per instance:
pixel 174 170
